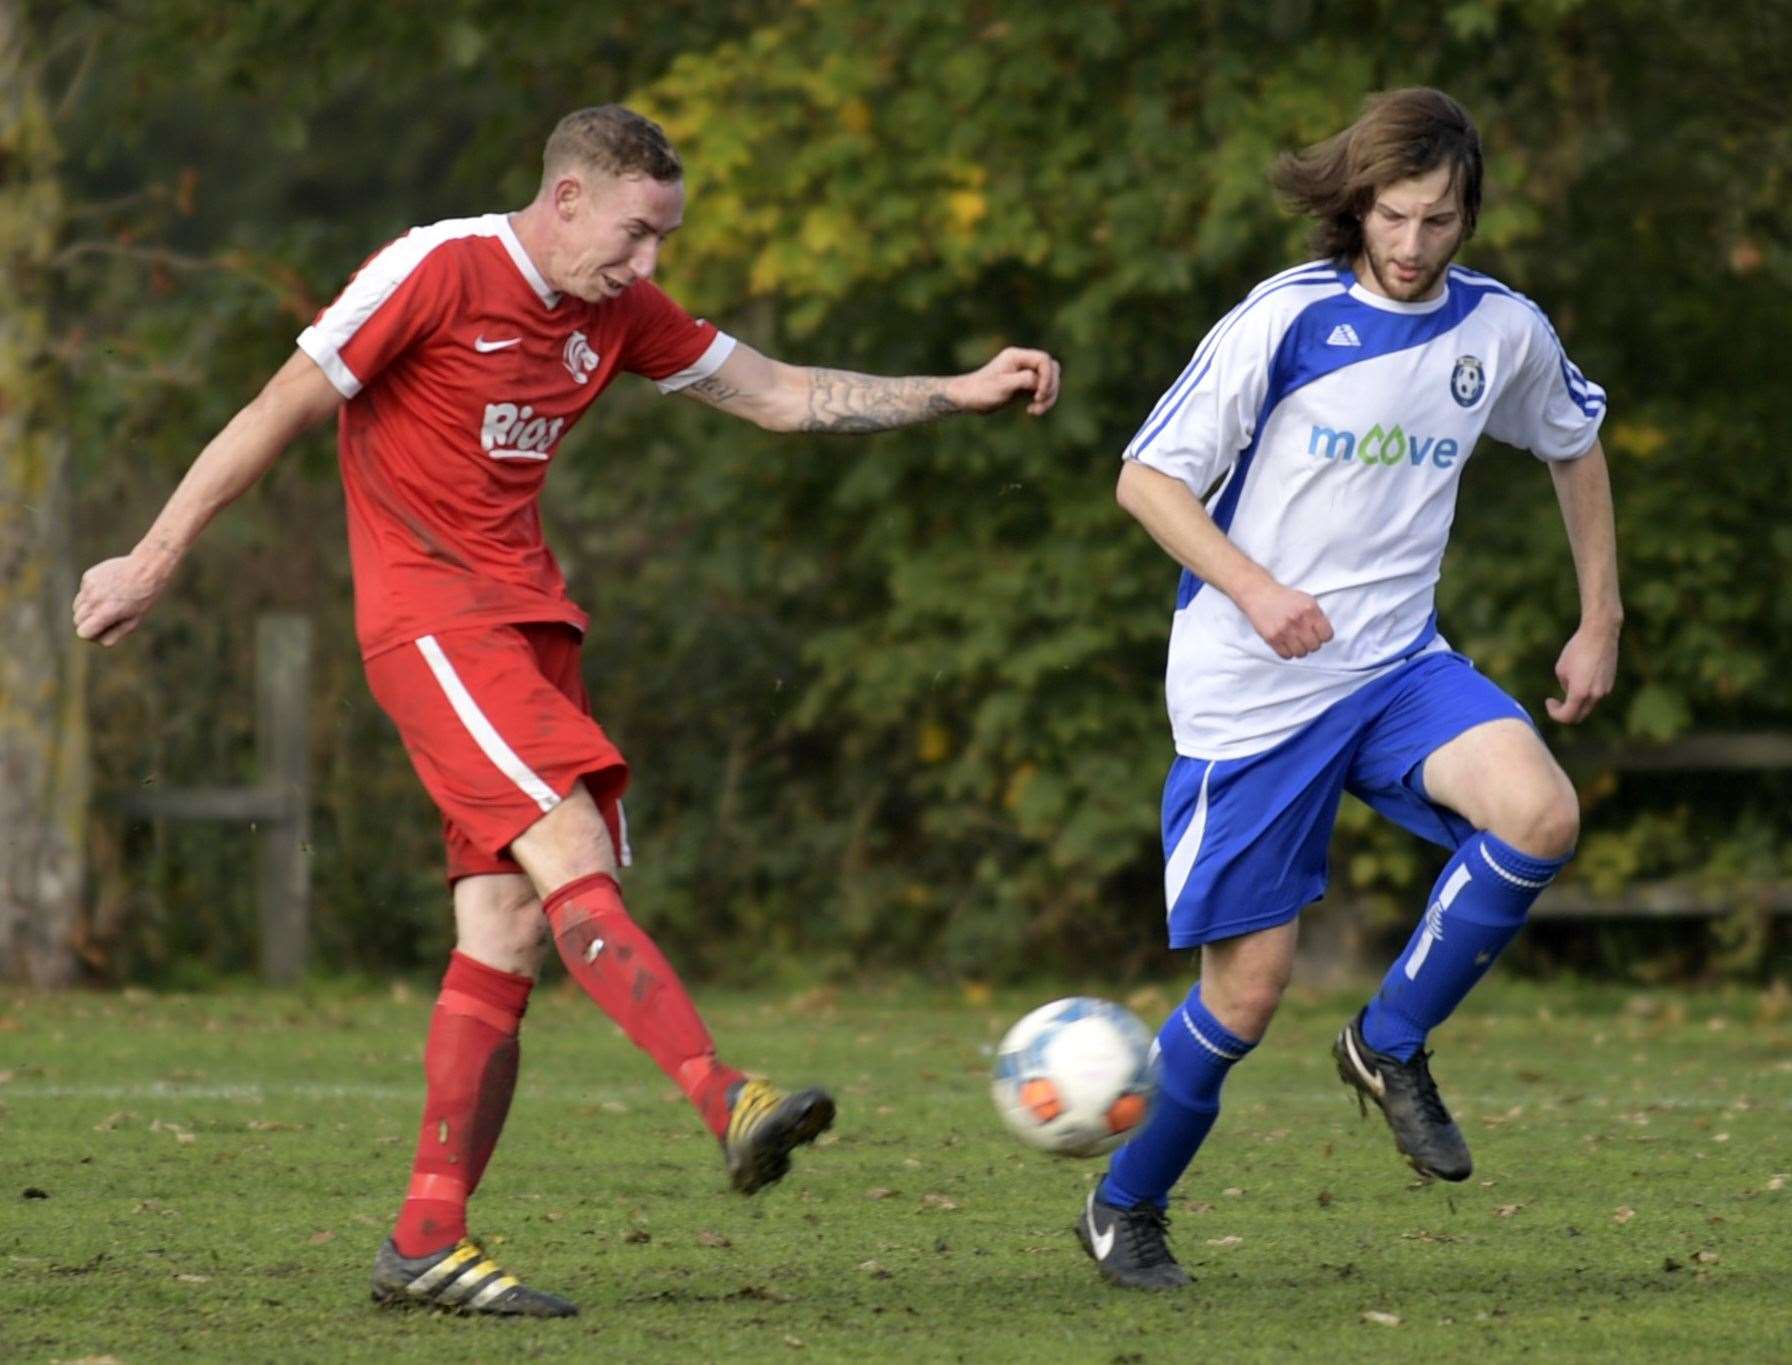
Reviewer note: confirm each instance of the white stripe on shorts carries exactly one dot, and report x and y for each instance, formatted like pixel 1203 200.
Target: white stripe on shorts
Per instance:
pixel 485 735
pixel 1188 848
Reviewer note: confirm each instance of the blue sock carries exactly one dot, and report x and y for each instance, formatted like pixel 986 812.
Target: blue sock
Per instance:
pixel 1194 1054
pixel 1477 907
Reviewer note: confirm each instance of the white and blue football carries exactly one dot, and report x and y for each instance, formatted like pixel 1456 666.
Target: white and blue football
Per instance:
pixel 1075 1077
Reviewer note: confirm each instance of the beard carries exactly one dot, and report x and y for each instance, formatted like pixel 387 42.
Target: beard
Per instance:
pixel 1394 288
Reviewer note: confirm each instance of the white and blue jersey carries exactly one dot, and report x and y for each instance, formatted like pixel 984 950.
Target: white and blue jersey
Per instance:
pixel 1328 427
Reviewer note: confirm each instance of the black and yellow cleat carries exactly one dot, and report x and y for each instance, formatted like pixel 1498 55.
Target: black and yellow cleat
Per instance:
pixel 461 1278
pixel 765 1125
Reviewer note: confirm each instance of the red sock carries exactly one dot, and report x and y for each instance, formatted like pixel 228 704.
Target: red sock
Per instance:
pixel 470 1069
pixel 619 967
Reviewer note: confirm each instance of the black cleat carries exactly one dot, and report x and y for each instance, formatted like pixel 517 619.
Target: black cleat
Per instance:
pixel 1128 1246
pixel 1405 1093
pixel 765 1125
pixel 461 1278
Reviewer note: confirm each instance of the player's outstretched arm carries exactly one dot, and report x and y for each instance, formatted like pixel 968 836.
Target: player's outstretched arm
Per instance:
pixel 116 594
pixel 1588 664
pixel 780 397
pixel 1291 622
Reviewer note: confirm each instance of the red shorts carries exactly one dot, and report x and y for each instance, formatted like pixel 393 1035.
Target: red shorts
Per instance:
pixel 498 726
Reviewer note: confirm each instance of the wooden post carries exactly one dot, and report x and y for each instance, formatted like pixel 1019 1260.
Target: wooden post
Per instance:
pixel 283 746
pixel 277 807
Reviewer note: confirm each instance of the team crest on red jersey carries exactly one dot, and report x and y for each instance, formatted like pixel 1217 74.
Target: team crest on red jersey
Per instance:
pixel 580 359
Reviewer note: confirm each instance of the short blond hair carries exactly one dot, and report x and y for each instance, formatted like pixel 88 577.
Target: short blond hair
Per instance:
pixel 612 141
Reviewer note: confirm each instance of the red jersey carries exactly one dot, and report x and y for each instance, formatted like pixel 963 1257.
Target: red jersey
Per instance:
pixel 463 371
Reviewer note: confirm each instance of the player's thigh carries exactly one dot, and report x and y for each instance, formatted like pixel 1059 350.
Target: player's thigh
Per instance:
pixel 1500 777
pixel 575 839
pixel 1424 709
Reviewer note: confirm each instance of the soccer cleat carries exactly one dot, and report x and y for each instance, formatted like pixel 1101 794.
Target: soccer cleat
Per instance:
pixel 1405 1093
pixel 765 1125
pixel 1128 1246
pixel 461 1278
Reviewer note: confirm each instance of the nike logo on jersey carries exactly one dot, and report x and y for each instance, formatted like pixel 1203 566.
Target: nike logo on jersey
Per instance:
pixel 1343 335
pixel 1103 1242
pixel 483 346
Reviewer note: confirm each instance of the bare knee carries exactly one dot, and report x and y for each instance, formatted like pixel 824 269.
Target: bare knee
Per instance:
pixel 502 926
pixel 1244 1003
pixel 1246 1011
pixel 1242 979
pixel 1545 824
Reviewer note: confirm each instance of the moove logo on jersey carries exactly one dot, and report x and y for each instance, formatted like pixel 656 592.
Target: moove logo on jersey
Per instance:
pixel 1383 447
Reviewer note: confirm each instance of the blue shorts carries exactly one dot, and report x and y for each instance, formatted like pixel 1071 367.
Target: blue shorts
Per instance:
pixel 1245 839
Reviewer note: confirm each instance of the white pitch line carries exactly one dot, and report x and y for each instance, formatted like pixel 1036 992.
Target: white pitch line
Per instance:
pixel 257 1093
pixel 1473 1105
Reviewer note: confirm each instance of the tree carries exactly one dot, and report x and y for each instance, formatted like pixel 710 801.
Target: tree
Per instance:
pixel 43 724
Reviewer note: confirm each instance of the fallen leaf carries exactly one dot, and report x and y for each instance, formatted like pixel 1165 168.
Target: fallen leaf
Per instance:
pixel 317 1239
pixel 795 1343
pixel 1623 1215
pixel 194 1279
pixel 111 1121
pixel 874 1270
pixel 552 1216
pixel 880 1192
pixel 938 1201
pixel 1233 1192
pixel 275 1126
pixel 1705 1257
pixel 1381 1319
pixel 1325 1199
pixel 1225 1241
pixel 1777 1183
pixel 637 1236
pixel 1507 1210
pixel 706 1238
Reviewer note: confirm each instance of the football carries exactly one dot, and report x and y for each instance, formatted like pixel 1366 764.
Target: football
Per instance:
pixel 1075 1077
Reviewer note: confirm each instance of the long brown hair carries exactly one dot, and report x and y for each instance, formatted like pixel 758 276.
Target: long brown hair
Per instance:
pixel 1400 134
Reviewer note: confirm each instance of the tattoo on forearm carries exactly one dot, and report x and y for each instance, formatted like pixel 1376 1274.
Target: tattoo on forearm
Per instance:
pixel 845 402
pixel 714 392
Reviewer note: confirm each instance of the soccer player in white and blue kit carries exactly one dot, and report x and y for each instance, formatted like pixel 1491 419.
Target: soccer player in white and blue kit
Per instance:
pixel 1303 471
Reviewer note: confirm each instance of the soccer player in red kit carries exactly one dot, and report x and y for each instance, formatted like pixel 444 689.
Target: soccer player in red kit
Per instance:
pixel 457 358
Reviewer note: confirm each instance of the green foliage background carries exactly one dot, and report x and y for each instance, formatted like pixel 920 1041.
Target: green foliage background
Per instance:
pixel 897 701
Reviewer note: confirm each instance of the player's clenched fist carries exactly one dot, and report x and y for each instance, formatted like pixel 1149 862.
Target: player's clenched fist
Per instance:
pixel 1291 622
pixel 1012 373
pixel 114 597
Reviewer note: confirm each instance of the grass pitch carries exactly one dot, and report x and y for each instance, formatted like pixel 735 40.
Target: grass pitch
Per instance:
pixel 208 1176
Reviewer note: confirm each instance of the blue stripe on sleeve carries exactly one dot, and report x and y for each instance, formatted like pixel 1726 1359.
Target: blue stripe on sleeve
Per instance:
pixel 1191 377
